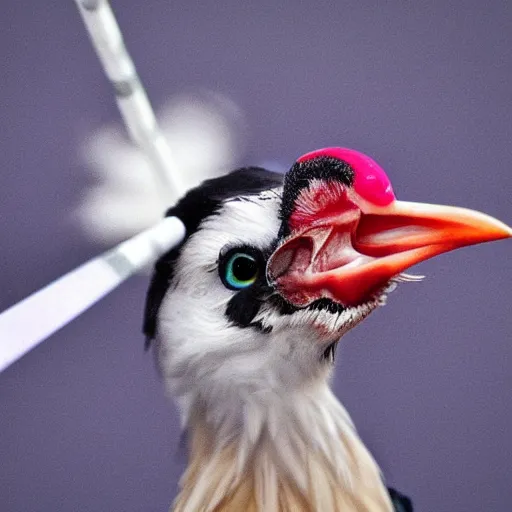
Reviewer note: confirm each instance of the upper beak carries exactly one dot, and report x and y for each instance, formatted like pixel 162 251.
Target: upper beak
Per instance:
pixel 351 262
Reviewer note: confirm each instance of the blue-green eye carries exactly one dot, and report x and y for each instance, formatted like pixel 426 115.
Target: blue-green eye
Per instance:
pixel 240 270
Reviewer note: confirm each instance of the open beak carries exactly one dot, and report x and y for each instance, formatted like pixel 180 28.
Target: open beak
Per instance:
pixel 351 258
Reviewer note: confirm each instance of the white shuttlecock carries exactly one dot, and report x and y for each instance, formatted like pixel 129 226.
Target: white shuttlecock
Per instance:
pixel 205 133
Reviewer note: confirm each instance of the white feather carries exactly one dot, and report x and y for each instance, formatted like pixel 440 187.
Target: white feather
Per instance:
pixel 205 133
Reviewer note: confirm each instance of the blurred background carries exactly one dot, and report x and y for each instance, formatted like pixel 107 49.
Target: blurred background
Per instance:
pixel 424 88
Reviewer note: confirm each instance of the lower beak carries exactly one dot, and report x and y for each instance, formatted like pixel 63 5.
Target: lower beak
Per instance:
pixel 352 262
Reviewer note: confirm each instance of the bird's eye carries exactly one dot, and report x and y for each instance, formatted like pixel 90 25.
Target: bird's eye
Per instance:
pixel 238 269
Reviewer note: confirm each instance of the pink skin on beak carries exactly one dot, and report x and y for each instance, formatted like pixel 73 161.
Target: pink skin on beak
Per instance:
pixel 346 244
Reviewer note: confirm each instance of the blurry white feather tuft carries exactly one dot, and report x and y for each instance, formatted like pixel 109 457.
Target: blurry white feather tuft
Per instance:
pixel 408 278
pixel 205 132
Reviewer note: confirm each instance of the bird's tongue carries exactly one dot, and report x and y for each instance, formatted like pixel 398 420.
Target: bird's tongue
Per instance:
pixel 347 249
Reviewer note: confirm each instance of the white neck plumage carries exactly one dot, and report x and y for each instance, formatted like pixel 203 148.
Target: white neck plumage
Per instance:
pixel 293 452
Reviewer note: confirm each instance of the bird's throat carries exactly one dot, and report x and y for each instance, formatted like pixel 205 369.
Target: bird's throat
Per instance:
pixel 307 462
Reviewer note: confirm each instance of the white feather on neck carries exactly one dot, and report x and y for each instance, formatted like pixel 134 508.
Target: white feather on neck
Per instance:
pixel 301 446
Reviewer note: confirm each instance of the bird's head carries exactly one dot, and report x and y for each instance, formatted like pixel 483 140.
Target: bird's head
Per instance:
pixel 273 272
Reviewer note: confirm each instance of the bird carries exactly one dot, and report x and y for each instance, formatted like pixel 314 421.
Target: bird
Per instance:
pixel 245 316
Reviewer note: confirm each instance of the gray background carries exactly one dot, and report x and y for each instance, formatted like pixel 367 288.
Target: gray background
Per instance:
pixel 425 88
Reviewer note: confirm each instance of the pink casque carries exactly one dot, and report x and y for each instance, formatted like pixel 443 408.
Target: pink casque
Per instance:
pixel 370 180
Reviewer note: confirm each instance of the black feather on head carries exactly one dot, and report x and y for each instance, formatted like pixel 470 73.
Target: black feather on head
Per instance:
pixel 198 204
